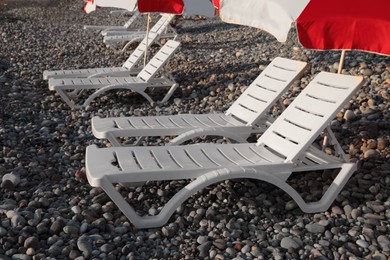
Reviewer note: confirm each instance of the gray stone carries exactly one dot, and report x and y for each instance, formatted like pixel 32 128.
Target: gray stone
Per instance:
pixel 349 115
pixel 353 248
pixel 18 221
pixel 355 213
pixel 204 248
pixel 3 232
pixel 362 243
pixel 384 242
pixel 202 239
pixel 220 244
pixel 106 248
pixel 85 247
pixel 57 226
pixel 315 228
pixel 20 257
pixel 54 250
pixel 348 210
pixel 71 230
pixel 245 249
pixel 288 242
pixel 32 242
pixel 10 179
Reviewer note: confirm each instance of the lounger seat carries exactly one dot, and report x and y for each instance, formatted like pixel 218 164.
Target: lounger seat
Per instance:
pixel 114 39
pixel 247 115
pixel 285 147
pixel 106 28
pixel 128 68
pixel 144 80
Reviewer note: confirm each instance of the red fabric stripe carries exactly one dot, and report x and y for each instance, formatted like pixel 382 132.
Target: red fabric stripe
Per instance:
pixel 347 24
pixel 161 6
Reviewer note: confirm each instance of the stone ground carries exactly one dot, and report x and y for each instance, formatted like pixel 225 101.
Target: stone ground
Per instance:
pixel 49 211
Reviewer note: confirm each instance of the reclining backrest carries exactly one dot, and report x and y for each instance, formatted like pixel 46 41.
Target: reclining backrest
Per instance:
pixel 162 23
pixel 138 53
pixel 135 15
pixel 309 114
pixel 158 60
pixel 266 89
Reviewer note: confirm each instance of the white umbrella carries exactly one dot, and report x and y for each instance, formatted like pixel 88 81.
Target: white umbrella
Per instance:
pixel 91 5
pixel 196 7
pixel 273 16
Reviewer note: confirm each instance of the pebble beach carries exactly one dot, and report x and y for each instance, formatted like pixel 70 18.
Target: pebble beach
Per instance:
pixel 49 211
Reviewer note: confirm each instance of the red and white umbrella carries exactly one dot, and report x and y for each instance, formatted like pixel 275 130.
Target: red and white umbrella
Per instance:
pixel 186 7
pixel 346 25
pixel 321 24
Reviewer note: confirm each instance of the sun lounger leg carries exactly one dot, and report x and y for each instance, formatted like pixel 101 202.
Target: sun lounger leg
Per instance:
pixel 333 141
pixel 66 97
pixel 347 169
pixel 169 94
pixel 279 180
pixel 116 143
pixel 189 190
pixel 137 89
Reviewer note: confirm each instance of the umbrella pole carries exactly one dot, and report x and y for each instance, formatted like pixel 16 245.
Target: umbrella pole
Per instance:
pixel 341 63
pixel 147 38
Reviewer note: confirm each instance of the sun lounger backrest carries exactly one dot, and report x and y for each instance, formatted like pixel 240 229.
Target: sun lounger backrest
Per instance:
pixel 138 53
pixel 162 23
pixel 158 60
pixel 266 90
pixel 132 19
pixel 309 114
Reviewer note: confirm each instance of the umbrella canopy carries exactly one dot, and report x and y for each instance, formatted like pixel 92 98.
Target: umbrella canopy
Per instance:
pixel 91 5
pixel 346 25
pixel 273 16
pixel 187 7
pixel 322 24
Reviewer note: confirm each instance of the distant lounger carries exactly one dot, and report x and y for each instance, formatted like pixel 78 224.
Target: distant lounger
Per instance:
pixel 71 89
pixel 248 114
pixel 285 147
pixel 115 39
pixel 128 68
pixel 107 28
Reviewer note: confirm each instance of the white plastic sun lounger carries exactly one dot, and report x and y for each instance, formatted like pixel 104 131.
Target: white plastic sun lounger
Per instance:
pixel 161 28
pixel 107 28
pixel 163 22
pixel 246 115
pixel 285 147
pixel 128 68
pixel 144 80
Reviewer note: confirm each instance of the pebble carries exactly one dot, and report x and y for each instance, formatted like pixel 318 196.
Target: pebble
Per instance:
pixel 18 221
pixel 71 230
pixel 315 228
pixel 220 244
pixel 85 247
pixel 371 154
pixel 32 242
pixel 362 243
pixel 51 212
pixel 57 226
pixel 288 242
pixel 204 248
pixel 349 115
pixel 10 180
